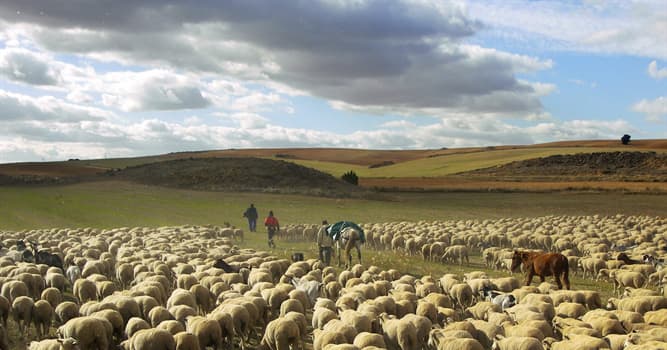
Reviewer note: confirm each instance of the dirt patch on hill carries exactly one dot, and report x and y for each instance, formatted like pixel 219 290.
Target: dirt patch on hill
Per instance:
pixel 603 166
pixel 239 174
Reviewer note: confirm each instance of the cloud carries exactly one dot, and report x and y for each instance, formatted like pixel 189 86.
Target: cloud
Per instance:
pixel 656 73
pixel 27 67
pixel 48 128
pixel 637 28
pixel 152 90
pixel 16 108
pixel 394 55
pixel 654 110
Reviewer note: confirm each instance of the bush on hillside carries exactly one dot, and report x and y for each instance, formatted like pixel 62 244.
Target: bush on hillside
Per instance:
pixel 350 177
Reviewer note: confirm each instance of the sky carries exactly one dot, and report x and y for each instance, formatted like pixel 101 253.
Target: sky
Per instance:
pixel 106 79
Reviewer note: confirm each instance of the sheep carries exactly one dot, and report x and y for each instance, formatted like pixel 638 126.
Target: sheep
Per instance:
pixel 399 333
pixel 207 331
pixel 622 279
pixel 658 317
pixel 479 310
pixel 115 318
pixel 52 295
pixel 455 252
pixel 366 339
pixel 570 310
pixel 152 339
pixel 580 342
pixel 84 290
pixel 461 294
pixel 291 305
pixel 240 320
pixel 104 289
pixel 422 325
pixel 186 341
pixel 300 320
pixel 22 312
pixel 517 343
pixel 360 321
pixel 338 326
pixel 322 338
pixel 66 311
pixel 134 325
pixel 52 344
pixel 90 332
pixel 181 312
pixel 321 316
pixel 644 337
pixel 14 289
pixel 652 345
pixel 636 304
pixel 181 297
pixel 127 306
pixel 56 280
pixel 448 343
pixel 616 341
pixel 172 326
pixel 5 308
pixel 605 325
pixel 203 298
pixel 280 334
pixel 42 314
pixel 159 314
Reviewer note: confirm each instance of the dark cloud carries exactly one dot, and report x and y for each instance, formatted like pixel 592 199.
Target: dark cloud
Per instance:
pixel 396 54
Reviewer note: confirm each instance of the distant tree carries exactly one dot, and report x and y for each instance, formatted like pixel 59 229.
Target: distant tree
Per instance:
pixel 350 177
pixel 625 139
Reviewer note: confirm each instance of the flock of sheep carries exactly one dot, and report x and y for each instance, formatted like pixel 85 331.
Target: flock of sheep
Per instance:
pixel 157 288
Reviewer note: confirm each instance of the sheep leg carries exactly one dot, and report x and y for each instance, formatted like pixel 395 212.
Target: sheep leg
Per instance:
pixel 359 253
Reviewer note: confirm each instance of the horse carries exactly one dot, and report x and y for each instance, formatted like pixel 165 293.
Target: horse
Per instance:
pixel 349 238
pixel 542 264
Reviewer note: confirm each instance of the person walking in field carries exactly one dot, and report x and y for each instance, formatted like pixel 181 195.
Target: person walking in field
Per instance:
pixel 324 243
pixel 272 227
pixel 251 215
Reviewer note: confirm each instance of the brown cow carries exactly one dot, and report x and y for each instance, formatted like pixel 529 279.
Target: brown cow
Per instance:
pixel 543 264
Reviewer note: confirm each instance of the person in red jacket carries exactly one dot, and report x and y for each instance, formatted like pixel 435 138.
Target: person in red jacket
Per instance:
pixel 272 226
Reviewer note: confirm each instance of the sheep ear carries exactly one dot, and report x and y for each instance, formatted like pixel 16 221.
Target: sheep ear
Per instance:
pixel 500 336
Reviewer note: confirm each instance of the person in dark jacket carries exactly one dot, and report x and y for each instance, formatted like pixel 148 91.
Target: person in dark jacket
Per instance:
pixel 251 215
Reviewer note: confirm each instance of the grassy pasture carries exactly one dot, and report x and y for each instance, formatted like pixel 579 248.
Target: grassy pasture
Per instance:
pixel 117 204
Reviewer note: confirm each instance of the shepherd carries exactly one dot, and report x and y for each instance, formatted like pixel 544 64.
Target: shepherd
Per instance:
pixel 542 264
pixel 347 235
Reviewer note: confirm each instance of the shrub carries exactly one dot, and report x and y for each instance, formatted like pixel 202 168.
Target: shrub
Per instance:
pixel 625 139
pixel 350 177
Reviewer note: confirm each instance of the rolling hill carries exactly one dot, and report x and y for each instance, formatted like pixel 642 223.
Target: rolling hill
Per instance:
pixel 433 169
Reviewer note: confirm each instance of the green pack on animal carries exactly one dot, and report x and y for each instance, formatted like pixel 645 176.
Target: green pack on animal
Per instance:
pixel 335 230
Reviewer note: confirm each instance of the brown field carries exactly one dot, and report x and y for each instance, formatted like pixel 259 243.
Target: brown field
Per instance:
pixel 324 159
pixel 453 183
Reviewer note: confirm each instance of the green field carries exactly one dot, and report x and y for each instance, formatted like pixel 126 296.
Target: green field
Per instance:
pixel 116 204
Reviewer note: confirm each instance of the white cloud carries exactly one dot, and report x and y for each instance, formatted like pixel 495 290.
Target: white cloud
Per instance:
pixel 17 107
pixel 51 137
pixel 656 73
pixel 637 28
pixel 28 67
pixel 654 110
pixel 152 90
